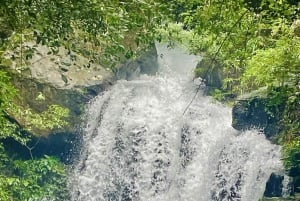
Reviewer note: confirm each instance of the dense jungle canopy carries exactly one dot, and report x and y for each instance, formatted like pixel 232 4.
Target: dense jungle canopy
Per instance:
pixel 253 44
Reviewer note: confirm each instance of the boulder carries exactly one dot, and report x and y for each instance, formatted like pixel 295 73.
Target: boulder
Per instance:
pixel 274 186
pixel 252 111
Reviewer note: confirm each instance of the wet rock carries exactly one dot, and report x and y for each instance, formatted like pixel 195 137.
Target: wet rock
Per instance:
pixel 252 111
pixel 296 182
pixel 274 186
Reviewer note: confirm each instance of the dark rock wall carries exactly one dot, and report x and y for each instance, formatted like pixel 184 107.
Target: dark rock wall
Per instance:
pixel 254 113
pixel 274 186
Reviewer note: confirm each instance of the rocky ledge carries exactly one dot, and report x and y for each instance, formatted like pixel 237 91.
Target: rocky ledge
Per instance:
pixel 69 80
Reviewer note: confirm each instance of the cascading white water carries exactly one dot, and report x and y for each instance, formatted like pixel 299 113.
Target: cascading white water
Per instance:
pixel 138 145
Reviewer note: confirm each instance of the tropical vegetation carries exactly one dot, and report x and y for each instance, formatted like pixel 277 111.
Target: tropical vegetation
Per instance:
pixel 252 44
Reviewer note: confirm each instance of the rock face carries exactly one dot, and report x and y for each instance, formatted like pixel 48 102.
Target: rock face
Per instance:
pixel 70 83
pixel 63 70
pixel 252 111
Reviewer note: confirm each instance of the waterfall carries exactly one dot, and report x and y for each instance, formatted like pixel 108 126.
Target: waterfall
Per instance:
pixel 138 145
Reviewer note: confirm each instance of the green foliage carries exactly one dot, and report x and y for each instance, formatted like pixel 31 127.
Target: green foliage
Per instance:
pixel 222 96
pixel 7 94
pixel 7 91
pixel 273 66
pixel 291 154
pixel 173 33
pixel 243 37
pixel 103 26
pixel 14 118
pixel 292 113
pixel 33 179
pixel 42 179
pixel 53 117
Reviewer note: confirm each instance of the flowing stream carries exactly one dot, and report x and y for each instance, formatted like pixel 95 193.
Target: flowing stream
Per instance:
pixel 139 146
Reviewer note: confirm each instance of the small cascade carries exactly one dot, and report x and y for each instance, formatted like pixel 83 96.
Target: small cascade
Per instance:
pixel 139 146
pixel 286 186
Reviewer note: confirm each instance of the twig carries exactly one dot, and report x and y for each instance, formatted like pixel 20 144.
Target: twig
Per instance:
pixel 33 147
